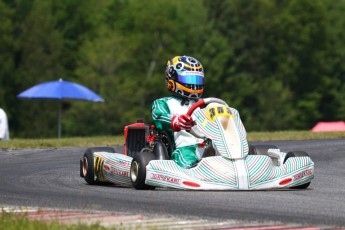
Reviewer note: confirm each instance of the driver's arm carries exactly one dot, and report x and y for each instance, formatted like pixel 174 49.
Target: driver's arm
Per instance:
pixel 161 114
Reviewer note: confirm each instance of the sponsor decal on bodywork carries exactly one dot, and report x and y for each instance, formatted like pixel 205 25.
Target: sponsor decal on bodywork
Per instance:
pixel 115 171
pixel 122 163
pixel 165 178
pixel 106 167
pixel 303 174
pixel 119 172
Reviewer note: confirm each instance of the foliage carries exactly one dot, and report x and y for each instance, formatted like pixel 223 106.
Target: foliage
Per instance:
pixel 278 62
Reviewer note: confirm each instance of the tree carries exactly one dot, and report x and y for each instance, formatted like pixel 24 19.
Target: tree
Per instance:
pixel 128 56
pixel 278 62
pixel 332 103
pixel 273 45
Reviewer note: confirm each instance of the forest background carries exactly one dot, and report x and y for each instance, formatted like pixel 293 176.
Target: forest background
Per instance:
pixel 279 62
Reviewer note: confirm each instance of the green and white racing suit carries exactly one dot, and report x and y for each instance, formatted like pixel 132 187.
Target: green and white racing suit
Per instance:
pixel 163 109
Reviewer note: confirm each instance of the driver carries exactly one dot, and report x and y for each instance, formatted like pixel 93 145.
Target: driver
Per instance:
pixel 185 79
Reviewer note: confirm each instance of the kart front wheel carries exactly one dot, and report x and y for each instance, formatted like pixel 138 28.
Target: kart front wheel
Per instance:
pixel 138 169
pixel 295 154
pixel 302 186
pixel 298 154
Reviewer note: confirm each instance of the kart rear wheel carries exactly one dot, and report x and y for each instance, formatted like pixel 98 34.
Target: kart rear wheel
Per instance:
pixel 138 169
pixel 298 154
pixel 87 169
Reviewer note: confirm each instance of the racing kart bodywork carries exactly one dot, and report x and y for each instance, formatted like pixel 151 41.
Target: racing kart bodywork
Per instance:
pixel 227 162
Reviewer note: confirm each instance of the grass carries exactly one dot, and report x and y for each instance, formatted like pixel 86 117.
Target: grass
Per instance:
pixel 119 140
pixel 294 135
pixel 62 142
pixel 13 221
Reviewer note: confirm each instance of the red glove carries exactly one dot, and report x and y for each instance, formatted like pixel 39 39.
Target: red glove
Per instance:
pixel 181 122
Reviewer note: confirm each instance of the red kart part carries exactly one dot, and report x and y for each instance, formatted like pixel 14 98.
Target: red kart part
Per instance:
pixel 203 103
pixel 135 136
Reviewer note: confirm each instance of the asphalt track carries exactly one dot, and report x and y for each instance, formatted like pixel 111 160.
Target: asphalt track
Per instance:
pixel 49 178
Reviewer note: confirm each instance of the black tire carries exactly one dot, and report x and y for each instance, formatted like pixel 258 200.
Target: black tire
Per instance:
pixel 302 186
pixel 167 142
pixel 138 169
pixel 260 149
pixel 87 164
pixel 297 154
pixel 160 150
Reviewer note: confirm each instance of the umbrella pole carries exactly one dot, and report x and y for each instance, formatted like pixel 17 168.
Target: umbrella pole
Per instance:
pixel 59 119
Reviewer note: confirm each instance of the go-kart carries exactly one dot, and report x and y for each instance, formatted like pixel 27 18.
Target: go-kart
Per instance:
pixel 227 162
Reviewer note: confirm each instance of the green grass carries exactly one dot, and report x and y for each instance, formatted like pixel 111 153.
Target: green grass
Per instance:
pixel 294 135
pixel 119 140
pixel 12 221
pixel 62 142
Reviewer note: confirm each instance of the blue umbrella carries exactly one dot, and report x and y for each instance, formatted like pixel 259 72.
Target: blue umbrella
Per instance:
pixel 60 90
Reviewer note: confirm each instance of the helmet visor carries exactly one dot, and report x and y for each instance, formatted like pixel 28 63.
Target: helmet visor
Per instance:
pixel 190 79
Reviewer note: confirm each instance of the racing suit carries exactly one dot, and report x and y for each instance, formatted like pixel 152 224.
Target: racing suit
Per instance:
pixel 163 109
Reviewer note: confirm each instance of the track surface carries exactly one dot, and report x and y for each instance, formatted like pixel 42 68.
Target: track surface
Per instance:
pixel 50 178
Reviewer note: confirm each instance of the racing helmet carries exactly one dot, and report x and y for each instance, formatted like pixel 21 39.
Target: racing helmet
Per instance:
pixel 185 77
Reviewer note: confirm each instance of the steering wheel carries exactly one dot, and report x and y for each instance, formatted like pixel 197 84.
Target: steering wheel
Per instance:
pixel 202 104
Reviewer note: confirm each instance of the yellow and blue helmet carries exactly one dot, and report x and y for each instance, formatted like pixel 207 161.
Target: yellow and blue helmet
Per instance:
pixel 185 77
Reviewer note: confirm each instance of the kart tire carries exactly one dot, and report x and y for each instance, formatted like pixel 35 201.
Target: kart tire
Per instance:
pixel 297 154
pixel 167 142
pixel 260 149
pixel 87 164
pixel 138 169
pixel 302 186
